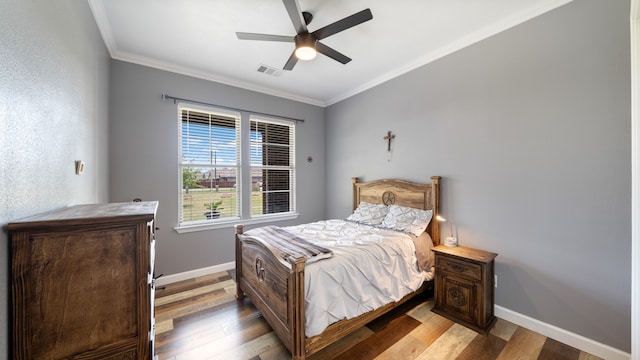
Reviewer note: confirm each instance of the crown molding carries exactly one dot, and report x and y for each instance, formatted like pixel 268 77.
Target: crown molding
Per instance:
pixel 484 33
pixel 204 75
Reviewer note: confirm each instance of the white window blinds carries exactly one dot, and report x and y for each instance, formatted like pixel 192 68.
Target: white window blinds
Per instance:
pixel 272 166
pixel 209 165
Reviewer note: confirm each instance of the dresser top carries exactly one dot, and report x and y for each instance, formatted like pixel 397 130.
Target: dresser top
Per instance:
pixel 88 212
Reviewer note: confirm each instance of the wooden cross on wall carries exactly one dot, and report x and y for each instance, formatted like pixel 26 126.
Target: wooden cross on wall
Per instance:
pixel 389 137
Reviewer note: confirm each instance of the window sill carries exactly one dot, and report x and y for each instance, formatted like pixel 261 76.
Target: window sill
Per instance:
pixel 223 224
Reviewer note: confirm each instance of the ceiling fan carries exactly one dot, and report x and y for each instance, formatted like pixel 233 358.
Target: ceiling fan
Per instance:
pixel 307 44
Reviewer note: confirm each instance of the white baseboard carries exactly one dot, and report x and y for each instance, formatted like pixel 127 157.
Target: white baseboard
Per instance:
pixel 548 330
pixel 561 335
pixel 169 279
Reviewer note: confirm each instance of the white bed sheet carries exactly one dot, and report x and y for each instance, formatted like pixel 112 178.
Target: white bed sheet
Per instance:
pixel 371 267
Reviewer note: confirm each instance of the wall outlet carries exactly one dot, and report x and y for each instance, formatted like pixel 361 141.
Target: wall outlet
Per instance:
pixel 495 281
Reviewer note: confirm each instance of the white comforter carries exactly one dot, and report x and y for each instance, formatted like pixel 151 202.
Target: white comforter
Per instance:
pixel 371 267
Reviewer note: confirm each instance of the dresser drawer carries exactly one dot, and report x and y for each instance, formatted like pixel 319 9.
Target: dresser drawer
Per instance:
pixel 459 267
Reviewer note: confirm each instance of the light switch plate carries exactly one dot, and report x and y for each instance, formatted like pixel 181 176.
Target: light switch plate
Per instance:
pixel 79 167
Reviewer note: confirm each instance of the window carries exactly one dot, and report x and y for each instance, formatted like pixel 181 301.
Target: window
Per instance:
pixel 209 164
pixel 214 180
pixel 272 167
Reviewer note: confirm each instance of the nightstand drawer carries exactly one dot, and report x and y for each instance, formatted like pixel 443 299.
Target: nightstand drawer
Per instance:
pixel 460 268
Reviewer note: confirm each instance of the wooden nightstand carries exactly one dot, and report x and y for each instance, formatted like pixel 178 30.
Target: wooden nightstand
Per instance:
pixel 464 286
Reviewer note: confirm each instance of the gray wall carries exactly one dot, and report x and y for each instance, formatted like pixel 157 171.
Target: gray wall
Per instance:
pixel 54 78
pixel 530 130
pixel 144 156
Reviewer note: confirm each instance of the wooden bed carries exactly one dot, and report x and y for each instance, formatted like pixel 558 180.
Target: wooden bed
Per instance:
pixel 276 286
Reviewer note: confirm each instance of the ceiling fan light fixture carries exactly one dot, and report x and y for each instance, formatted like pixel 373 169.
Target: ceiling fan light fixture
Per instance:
pixel 305 46
pixel 306 52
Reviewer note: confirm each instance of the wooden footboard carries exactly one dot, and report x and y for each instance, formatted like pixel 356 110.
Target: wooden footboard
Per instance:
pixel 276 288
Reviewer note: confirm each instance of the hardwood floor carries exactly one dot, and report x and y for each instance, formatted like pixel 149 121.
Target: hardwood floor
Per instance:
pixel 201 319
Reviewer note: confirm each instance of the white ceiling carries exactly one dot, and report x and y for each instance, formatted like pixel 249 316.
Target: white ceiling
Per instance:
pixel 197 38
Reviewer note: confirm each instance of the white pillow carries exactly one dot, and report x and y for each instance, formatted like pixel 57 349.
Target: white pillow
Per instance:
pixel 370 214
pixel 407 219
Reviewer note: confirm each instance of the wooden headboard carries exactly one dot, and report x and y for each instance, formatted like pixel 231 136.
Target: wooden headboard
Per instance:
pixel 404 193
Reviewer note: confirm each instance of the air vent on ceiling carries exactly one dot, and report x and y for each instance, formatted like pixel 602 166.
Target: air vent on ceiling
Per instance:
pixel 269 70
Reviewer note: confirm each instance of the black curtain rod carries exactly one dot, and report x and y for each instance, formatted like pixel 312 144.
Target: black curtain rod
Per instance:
pixel 176 99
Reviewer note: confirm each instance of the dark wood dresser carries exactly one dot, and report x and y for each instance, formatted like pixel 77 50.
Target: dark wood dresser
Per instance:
pixel 82 282
pixel 464 286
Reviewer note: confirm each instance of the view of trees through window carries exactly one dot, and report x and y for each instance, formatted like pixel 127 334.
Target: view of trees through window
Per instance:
pixel 205 198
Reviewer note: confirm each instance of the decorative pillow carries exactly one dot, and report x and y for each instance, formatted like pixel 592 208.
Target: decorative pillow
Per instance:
pixel 406 219
pixel 370 214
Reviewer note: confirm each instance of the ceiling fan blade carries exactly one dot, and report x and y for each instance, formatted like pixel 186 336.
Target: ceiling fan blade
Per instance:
pixel 293 9
pixel 340 25
pixel 263 37
pixel 293 60
pixel 335 55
